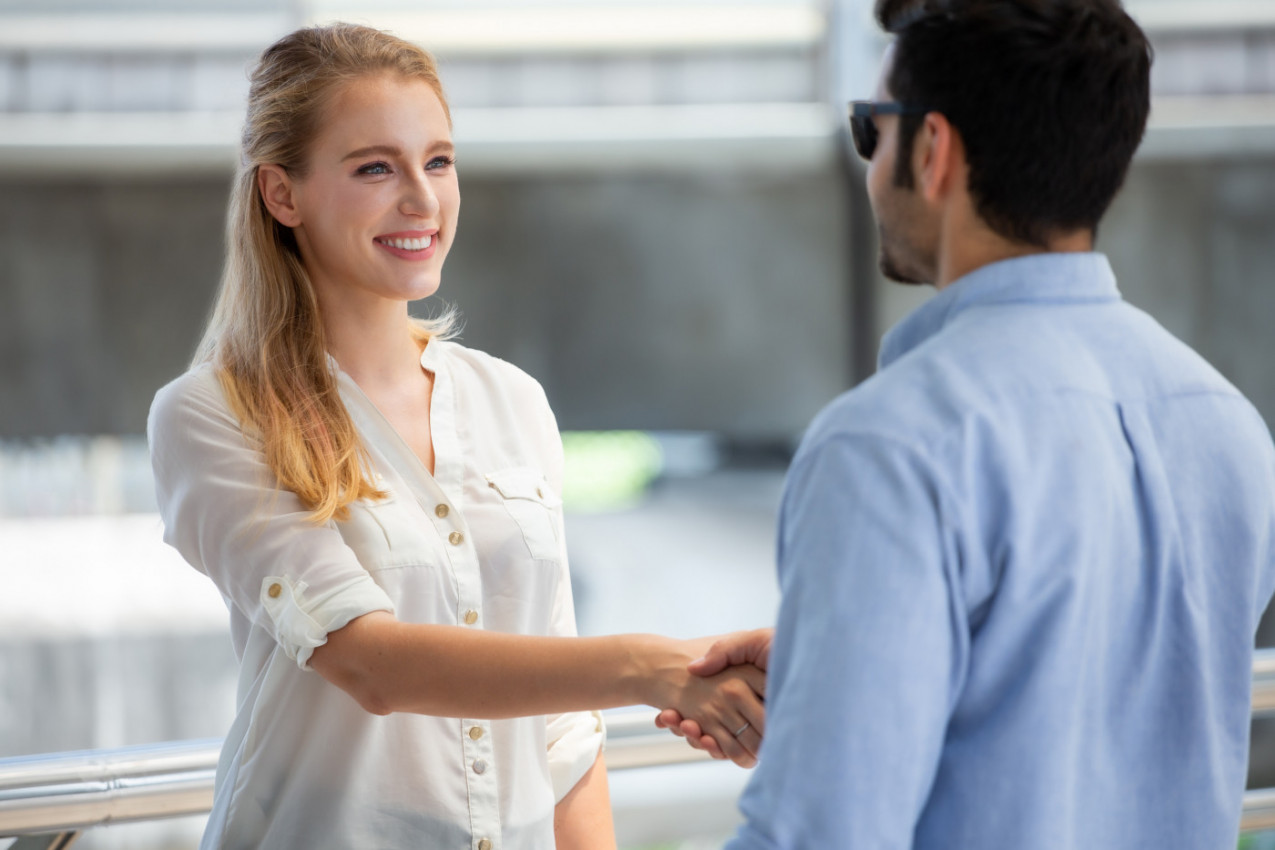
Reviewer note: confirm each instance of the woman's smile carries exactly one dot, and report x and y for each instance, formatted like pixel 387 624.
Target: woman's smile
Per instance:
pixel 412 245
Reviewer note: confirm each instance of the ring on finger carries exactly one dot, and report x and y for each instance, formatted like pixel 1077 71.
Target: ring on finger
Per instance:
pixel 742 729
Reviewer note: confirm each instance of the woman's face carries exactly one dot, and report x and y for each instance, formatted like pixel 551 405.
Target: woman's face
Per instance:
pixel 376 212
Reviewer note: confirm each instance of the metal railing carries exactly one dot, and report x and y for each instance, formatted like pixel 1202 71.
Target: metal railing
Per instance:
pixel 50 799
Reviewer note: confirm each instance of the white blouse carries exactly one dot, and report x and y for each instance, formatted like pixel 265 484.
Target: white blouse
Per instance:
pixel 479 544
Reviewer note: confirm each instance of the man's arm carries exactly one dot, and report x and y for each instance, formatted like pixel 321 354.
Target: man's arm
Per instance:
pixel 867 652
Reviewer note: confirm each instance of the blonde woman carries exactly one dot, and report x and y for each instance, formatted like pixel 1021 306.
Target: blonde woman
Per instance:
pixel 377 504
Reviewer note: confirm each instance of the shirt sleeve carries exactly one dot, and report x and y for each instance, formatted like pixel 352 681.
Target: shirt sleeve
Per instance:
pixel 574 738
pixel 224 512
pixel 867 654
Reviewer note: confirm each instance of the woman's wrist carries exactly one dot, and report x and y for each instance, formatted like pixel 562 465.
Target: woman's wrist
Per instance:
pixel 656 669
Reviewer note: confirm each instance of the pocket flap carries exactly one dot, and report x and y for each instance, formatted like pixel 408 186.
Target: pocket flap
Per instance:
pixel 379 482
pixel 524 482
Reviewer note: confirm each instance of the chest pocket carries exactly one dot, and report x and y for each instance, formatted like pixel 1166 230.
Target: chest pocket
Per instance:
pixel 384 533
pixel 532 503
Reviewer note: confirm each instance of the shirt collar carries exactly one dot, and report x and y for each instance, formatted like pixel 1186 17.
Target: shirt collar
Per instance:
pixel 431 358
pixel 1068 278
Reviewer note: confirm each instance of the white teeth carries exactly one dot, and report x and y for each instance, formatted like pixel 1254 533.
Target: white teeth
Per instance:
pixel 409 244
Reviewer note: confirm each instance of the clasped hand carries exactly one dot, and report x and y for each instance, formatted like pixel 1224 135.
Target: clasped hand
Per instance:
pixel 723 712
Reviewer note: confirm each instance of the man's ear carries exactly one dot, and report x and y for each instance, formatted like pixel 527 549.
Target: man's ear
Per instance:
pixel 940 155
pixel 276 188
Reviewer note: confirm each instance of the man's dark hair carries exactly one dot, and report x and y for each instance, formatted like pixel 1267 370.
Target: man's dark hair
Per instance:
pixel 1050 98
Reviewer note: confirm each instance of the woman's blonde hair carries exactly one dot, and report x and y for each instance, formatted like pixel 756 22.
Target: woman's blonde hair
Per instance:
pixel 265 336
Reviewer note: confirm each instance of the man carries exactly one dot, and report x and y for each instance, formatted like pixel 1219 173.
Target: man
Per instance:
pixel 1022 566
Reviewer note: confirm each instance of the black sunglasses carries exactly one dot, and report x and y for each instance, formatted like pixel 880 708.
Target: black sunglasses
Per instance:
pixel 863 129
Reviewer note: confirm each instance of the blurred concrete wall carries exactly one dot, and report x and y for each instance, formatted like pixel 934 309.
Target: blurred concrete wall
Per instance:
pixel 718 302
pixel 675 301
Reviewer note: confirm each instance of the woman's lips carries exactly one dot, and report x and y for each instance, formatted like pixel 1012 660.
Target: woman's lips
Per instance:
pixel 409 246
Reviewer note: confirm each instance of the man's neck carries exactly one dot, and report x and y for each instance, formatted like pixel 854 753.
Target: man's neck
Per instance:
pixel 969 251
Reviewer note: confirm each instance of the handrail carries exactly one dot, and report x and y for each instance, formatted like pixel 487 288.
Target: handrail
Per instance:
pixel 77 790
pixel 1264 682
pixel 64 792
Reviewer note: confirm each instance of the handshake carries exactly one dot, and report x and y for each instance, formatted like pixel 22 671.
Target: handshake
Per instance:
pixel 720 704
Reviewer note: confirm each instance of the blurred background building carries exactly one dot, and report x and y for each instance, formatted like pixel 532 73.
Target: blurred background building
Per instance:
pixel 661 222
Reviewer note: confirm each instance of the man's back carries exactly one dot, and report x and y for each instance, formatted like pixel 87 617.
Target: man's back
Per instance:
pixel 1038 543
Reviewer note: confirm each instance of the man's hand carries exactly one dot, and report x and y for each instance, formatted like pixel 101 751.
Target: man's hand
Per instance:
pixel 751 647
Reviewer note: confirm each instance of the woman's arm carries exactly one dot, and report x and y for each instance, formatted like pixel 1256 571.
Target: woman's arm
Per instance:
pixel 452 671
pixel 582 819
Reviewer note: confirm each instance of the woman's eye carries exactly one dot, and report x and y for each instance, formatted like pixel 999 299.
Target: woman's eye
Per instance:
pixel 439 163
pixel 374 168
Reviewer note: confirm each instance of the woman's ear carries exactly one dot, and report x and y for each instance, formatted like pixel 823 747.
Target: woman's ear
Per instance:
pixel 275 185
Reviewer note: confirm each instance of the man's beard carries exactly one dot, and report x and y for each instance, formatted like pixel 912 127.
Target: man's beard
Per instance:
pixel 890 264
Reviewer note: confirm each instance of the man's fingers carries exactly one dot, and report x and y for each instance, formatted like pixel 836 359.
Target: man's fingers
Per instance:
pixel 741 748
pixel 755 678
pixel 669 719
pixel 751 741
pixel 709 744
pixel 714 661
pixel 730 746
pixel 756 716
pixel 737 648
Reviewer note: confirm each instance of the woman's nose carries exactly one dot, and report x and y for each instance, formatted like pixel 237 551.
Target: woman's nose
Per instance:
pixel 419 198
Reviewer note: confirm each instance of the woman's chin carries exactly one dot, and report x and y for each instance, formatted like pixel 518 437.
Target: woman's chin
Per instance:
pixel 420 290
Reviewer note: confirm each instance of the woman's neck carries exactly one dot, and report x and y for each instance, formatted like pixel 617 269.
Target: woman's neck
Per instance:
pixel 374 345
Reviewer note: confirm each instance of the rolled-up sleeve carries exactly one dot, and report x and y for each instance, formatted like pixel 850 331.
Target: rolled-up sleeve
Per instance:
pixel 224 512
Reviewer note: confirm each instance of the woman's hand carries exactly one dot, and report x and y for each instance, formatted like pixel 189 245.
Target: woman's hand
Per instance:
pixel 750 648
pixel 726 706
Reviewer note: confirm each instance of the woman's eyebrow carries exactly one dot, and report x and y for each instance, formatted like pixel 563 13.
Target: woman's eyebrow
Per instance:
pixel 443 146
pixel 384 150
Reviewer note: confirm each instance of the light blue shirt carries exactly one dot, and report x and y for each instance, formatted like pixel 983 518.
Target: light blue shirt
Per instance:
pixel 1022 567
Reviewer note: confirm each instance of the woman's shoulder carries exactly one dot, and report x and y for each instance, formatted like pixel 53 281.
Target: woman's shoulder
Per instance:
pixel 196 392
pixel 470 363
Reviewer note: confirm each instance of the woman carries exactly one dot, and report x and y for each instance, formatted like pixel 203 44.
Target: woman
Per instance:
pixel 378 505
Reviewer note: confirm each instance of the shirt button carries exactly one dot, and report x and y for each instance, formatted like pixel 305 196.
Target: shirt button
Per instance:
pixel 471 617
pixel 475 732
pixel 441 511
pixel 456 538
pixel 484 845
pixel 275 590
pixel 480 767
